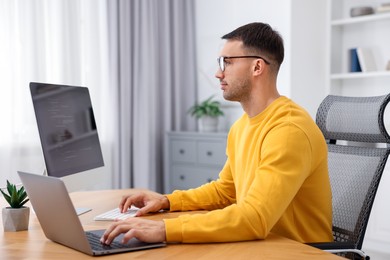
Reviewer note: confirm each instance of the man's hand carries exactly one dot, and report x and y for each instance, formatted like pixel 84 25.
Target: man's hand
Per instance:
pixel 147 202
pixel 149 231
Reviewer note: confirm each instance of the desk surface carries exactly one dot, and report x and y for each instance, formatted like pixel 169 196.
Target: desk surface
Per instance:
pixel 32 244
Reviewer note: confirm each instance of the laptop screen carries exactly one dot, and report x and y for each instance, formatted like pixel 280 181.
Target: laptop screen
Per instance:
pixel 67 128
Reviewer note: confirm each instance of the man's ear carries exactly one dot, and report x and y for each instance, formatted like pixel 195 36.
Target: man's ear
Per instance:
pixel 259 67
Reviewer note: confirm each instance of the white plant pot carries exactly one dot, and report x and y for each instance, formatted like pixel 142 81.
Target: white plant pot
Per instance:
pixel 15 219
pixel 208 124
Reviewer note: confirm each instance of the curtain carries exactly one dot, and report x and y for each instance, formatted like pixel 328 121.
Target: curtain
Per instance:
pixel 152 68
pixel 136 57
pixel 51 41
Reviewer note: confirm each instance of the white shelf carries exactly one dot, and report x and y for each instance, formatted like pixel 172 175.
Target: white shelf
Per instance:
pixel 359 75
pixel 361 19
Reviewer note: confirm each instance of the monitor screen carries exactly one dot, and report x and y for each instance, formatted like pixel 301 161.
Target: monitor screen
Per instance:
pixel 67 128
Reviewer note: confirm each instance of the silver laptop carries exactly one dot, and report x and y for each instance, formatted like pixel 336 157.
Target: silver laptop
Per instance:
pixel 60 223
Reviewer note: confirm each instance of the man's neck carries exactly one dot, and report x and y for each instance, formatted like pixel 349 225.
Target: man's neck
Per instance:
pixel 258 103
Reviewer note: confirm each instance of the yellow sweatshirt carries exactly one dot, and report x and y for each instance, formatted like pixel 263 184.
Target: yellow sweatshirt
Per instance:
pixel 275 179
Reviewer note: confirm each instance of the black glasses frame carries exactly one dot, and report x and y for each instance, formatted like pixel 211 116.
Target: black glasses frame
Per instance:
pixel 221 60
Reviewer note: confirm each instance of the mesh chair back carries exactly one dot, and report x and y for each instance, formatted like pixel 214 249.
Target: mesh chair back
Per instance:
pixel 355 165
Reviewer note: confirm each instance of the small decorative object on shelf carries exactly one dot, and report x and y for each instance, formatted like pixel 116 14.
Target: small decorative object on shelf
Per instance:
pixel 208 112
pixel 361 10
pixel 383 8
pixel 15 217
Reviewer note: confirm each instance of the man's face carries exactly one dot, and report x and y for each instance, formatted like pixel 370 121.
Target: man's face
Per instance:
pixel 235 80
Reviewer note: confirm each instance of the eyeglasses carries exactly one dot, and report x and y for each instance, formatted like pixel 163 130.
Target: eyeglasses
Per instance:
pixel 221 60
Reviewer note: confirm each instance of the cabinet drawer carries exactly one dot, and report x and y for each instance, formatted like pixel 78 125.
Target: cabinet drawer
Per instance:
pixel 183 177
pixel 212 153
pixel 183 151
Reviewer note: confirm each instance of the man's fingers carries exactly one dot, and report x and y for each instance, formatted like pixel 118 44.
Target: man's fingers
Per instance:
pixel 144 210
pixel 127 204
pixel 122 203
pixel 145 230
pixel 104 238
pixel 129 235
pixel 129 200
pixel 115 230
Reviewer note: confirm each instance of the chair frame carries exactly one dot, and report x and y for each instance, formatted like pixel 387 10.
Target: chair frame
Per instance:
pixel 342 243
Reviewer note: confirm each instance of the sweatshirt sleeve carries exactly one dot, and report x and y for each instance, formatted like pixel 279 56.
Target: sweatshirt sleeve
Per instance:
pixel 213 195
pixel 274 186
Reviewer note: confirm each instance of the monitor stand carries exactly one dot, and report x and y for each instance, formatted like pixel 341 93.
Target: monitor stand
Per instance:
pixel 79 211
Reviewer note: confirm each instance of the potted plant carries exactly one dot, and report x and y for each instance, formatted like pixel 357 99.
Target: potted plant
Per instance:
pixel 16 216
pixel 208 112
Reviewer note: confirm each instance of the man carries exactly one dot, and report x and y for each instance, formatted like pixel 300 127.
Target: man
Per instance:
pixel 275 178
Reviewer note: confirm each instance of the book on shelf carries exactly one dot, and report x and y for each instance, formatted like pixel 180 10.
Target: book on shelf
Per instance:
pixel 354 61
pixel 366 59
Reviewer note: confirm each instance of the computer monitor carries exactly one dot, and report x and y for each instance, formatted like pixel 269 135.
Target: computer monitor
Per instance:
pixel 67 128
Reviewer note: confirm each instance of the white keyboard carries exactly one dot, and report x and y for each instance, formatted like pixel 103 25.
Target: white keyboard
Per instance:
pixel 116 215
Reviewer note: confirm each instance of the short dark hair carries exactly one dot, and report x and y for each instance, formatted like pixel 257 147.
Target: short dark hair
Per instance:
pixel 261 39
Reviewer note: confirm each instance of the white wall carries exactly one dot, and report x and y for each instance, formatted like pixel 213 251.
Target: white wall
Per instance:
pixel 308 53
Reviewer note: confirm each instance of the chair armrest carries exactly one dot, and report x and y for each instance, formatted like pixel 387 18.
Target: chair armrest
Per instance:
pixel 332 245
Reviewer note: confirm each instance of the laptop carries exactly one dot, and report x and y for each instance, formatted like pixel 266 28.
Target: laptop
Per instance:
pixel 60 223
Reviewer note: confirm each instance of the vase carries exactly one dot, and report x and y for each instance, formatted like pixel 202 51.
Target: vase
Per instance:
pixel 208 124
pixel 15 219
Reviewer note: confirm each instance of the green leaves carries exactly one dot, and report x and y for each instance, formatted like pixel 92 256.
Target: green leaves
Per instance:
pixel 208 107
pixel 16 198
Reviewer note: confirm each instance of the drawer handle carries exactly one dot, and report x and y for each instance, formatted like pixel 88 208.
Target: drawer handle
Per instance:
pixel 182 151
pixel 182 177
pixel 209 153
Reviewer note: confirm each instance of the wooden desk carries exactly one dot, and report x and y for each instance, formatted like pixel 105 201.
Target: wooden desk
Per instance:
pixel 33 244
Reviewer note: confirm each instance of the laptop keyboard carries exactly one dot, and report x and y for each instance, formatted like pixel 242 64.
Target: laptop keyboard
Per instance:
pixel 94 241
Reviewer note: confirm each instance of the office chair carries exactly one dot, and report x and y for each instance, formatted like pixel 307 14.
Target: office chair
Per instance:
pixel 358 148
